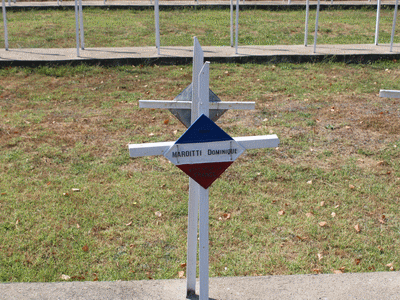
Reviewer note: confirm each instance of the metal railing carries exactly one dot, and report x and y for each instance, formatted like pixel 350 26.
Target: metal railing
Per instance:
pixel 80 29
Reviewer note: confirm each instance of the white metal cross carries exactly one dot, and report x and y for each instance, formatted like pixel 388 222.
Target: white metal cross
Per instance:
pixel 194 188
pixel 200 105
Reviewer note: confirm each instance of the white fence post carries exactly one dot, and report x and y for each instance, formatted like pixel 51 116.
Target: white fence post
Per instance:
pixel 307 16
pixel 231 23
pixel 237 27
pixel 81 25
pixel 394 24
pixel 378 15
pixel 77 27
pixel 5 24
pixel 316 27
pixel 157 21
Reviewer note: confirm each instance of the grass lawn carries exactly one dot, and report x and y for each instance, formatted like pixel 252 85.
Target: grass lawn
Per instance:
pixel 327 200
pixel 134 28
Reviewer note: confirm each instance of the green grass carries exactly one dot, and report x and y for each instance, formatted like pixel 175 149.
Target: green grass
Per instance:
pixel 134 28
pixel 68 127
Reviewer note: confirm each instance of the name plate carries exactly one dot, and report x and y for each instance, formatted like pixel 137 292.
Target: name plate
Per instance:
pixel 197 153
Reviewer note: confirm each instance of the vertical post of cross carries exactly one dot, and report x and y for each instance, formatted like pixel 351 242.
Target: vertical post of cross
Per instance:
pixel 194 187
pixel 203 105
pixel 198 107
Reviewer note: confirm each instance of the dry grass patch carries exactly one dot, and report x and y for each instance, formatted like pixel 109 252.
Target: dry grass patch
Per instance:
pixel 68 128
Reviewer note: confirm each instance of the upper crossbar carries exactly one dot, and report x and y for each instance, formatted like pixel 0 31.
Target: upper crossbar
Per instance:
pixel 187 104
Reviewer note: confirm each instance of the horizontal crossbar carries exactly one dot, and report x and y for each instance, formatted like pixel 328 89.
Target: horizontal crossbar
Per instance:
pixel 247 142
pixel 389 94
pixel 188 104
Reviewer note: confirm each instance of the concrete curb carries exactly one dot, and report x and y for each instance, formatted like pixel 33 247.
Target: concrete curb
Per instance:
pixel 360 53
pixel 366 286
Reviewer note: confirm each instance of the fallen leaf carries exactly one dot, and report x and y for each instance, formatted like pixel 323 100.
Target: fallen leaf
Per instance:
pixel 357 228
pixel 322 203
pixel 281 212
pixel 65 277
pixel 309 214
pixel 65 194
pixel 390 266
pixel 320 256
pixel 337 271
pixel 318 271
pixel 158 214
pixel 380 163
pixel 181 274
pixel 322 224
pixel 151 134
pixel 333 214
pixel 226 216
pixel 76 190
pixel 166 121
pixel 175 132
pixel 85 248
pixel 351 186
pixel 357 261
pixel 16 222
pixel 380 248
pixel 183 265
pixel 129 224
pixel 309 182
pixel 78 226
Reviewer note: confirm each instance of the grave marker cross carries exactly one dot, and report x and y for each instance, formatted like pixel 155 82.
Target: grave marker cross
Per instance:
pixel 200 107
pixel 187 112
